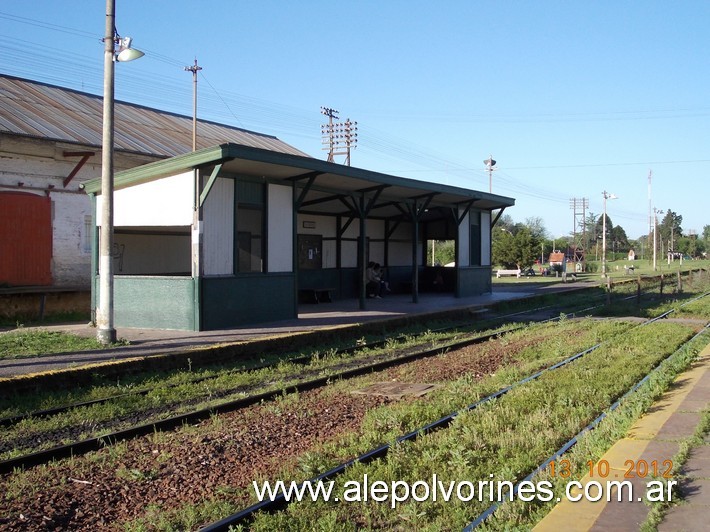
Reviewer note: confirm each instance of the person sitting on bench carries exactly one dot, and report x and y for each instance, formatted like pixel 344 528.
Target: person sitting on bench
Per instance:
pixel 376 286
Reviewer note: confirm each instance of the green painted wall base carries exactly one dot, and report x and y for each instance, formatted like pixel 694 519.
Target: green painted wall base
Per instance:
pixel 474 281
pixel 234 301
pixel 154 302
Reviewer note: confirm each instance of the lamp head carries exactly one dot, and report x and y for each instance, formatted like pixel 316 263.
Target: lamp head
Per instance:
pixel 125 52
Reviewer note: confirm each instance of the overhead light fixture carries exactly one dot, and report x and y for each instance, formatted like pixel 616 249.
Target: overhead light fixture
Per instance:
pixel 125 52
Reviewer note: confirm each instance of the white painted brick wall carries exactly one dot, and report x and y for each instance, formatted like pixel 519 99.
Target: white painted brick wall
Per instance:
pixel 38 164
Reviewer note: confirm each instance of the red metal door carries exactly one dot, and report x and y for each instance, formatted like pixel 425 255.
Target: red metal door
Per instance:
pixel 25 239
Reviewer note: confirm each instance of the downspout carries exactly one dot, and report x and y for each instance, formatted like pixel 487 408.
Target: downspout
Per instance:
pixel 415 255
pixel 362 251
pixel 94 258
pixel 294 246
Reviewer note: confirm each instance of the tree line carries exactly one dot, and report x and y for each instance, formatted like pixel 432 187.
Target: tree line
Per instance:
pixel 520 245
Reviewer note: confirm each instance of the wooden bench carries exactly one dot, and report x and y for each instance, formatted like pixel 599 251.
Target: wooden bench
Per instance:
pixel 499 273
pixel 316 295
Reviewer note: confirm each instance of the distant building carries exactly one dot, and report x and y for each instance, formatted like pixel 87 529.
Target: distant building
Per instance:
pixel 50 143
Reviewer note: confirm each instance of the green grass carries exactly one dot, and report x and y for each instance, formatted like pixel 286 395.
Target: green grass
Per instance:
pixel 507 438
pixel 544 344
pixel 25 343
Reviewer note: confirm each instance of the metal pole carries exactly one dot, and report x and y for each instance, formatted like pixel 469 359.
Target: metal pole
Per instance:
pixel 655 223
pixel 194 69
pixel 604 239
pixel 105 332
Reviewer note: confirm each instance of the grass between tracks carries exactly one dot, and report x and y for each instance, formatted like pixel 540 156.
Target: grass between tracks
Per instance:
pixel 507 439
pixel 542 345
pixel 179 394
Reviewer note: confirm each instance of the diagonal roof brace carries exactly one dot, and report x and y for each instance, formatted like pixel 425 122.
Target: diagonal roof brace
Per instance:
pixel 311 177
pixel 210 182
pixel 500 212
pixel 467 208
pixel 322 200
pixel 341 230
pixel 84 157
pixel 416 209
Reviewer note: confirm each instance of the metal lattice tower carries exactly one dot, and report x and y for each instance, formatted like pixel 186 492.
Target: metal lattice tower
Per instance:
pixel 580 241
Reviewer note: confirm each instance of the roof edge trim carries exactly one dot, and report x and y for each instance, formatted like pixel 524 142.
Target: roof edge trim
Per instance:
pixel 159 169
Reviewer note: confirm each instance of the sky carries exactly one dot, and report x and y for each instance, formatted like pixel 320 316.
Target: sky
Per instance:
pixel 571 98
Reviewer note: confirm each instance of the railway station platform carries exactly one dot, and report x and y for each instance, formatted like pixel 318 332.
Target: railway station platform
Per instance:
pixel 311 317
pixel 658 435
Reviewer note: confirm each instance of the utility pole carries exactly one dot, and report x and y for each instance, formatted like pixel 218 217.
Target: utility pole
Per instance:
pixel 490 163
pixel 655 229
pixel 338 136
pixel 651 224
pixel 194 69
pixel 606 196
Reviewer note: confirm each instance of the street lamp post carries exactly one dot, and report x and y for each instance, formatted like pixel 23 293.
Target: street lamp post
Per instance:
pixel 105 331
pixel 606 197
pixel 490 163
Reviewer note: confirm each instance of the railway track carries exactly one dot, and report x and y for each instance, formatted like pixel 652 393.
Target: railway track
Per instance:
pixel 9 421
pixel 244 517
pixel 568 445
pixel 106 438
pixel 94 443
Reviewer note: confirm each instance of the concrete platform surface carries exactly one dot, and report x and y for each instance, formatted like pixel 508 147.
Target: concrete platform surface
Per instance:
pixel 656 436
pixel 147 342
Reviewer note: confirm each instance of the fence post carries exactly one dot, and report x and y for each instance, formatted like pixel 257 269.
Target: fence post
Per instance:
pixel 661 284
pixel 638 290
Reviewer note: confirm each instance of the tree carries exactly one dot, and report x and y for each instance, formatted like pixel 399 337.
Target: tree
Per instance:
pixel 537 227
pixel 669 228
pixel 618 236
pixel 444 252
pixel 517 250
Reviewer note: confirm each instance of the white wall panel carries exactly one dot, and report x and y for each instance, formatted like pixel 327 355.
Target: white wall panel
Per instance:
pixel 400 254
pixel 164 202
pixel 218 229
pixel 324 225
pixel 280 228
pixel 375 229
pixel 464 258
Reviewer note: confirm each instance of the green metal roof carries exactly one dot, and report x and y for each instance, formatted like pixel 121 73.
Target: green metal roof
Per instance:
pixel 332 180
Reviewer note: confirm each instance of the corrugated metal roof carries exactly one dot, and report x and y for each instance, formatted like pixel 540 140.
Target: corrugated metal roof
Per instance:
pixel 32 109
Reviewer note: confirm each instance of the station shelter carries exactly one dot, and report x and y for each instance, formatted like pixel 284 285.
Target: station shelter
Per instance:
pixel 232 235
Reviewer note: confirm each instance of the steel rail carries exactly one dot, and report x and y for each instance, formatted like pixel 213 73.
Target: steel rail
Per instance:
pixel 280 502
pixel 573 441
pixel 98 442
pixel 303 360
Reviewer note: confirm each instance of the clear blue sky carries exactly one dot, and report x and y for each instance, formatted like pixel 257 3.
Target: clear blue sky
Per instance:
pixel 570 97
